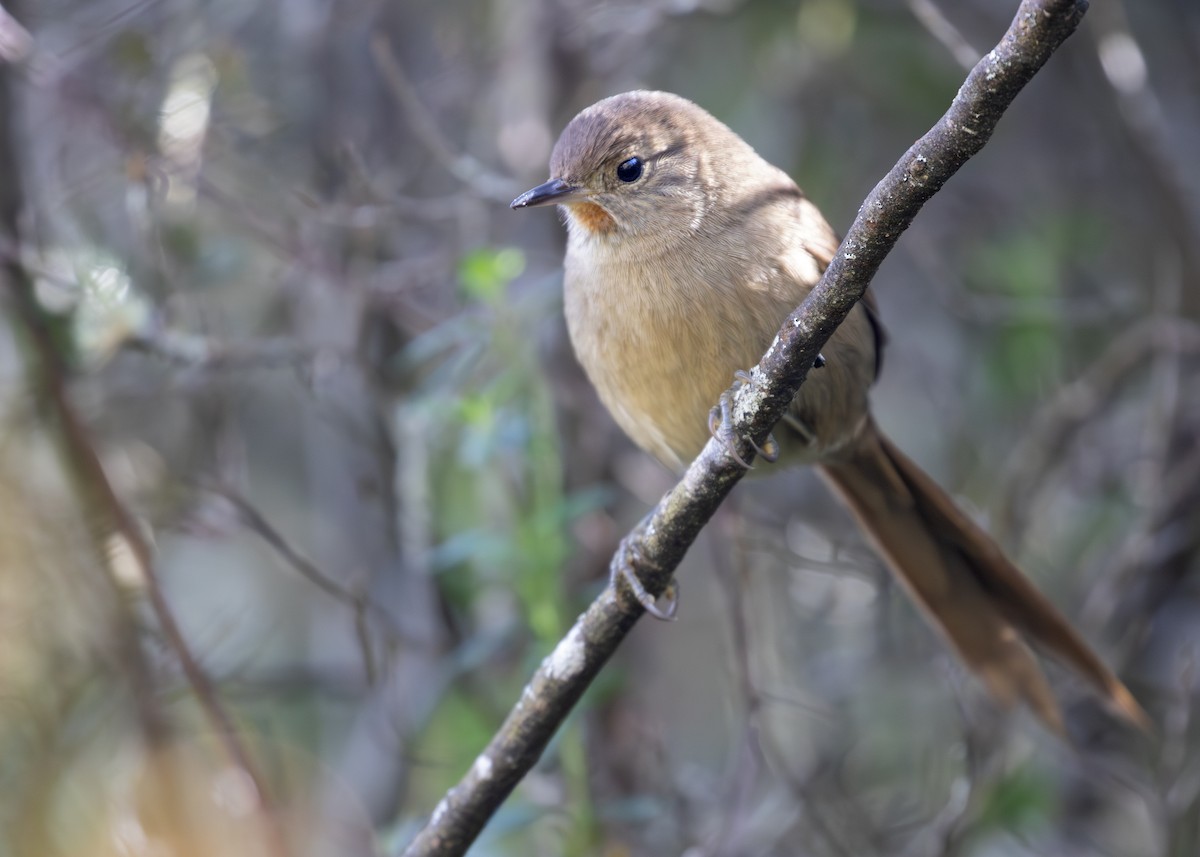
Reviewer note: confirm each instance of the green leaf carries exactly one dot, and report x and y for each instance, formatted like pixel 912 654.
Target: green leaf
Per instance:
pixel 1020 801
pixel 485 273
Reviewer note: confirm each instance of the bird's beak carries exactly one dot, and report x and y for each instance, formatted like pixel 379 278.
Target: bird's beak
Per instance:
pixel 553 191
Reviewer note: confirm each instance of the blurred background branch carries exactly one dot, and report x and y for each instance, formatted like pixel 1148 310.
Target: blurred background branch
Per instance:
pixel 260 277
pixel 118 536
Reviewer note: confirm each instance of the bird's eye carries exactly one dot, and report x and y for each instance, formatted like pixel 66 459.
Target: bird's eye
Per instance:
pixel 630 171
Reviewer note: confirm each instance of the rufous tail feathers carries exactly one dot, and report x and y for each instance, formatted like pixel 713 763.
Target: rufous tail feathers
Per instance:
pixel 987 609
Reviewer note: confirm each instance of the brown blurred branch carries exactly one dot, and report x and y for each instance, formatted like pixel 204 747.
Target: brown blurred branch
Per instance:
pixel 106 506
pixel 104 509
pixel 46 375
pixel 658 544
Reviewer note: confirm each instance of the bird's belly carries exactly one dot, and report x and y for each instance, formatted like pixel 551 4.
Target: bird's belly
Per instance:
pixel 660 357
pixel 659 376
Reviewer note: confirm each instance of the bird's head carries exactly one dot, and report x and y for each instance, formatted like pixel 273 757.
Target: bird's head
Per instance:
pixel 638 164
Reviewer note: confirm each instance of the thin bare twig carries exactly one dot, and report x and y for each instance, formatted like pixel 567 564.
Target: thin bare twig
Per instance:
pixel 934 20
pixel 1145 121
pixel 1075 405
pixel 357 600
pixel 1153 560
pixel 758 745
pixel 732 576
pixel 484 182
pixel 662 539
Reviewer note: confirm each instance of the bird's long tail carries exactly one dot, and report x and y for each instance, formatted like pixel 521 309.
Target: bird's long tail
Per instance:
pixel 970 591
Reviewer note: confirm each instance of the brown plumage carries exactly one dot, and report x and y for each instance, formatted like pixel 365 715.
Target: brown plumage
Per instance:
pixel 685 252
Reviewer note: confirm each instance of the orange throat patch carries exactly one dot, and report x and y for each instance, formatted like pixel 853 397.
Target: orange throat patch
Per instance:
pixel 592 217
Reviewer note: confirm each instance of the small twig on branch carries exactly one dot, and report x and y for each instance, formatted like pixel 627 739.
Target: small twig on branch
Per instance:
pixel 662 539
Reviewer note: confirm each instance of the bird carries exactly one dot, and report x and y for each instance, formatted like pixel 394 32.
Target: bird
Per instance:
pixel 685 252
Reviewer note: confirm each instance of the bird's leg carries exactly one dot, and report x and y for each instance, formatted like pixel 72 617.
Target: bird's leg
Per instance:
pixel 719 417
pixel 624 567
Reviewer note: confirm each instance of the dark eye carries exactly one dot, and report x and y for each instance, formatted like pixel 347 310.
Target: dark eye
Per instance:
pixel 630 171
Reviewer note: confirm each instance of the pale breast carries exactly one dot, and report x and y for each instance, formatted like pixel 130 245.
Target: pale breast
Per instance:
pixel 656 363
pixel 661 334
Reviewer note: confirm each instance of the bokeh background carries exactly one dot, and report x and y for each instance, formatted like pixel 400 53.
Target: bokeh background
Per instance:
pixel 277 284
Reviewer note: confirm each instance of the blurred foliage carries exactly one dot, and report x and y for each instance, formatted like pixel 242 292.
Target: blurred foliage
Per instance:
pixel 324 366
pixel 1018 803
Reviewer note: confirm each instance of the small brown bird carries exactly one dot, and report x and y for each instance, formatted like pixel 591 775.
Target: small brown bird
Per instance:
pixel 685 253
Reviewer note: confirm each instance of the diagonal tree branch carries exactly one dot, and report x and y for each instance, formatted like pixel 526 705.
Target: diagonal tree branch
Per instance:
pixel 658 544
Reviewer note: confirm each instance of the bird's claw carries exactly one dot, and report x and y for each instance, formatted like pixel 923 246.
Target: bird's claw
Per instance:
pixel 623 568
pixel 719 417
pixel 769 450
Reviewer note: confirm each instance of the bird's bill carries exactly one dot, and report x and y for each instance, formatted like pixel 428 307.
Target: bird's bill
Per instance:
pixel 555 191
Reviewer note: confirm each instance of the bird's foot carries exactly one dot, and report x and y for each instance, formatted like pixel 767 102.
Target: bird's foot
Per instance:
pixel 624 567
pixel 719 418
